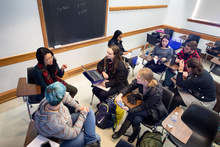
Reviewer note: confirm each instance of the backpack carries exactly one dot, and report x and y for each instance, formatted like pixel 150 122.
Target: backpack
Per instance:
pixel 105 115
pixel 214 51
pixel 150 139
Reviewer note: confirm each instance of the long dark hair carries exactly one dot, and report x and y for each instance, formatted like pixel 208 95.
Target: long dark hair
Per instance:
pixel 116 59
pixel 116 34
pixel 166 37
pixel 40 54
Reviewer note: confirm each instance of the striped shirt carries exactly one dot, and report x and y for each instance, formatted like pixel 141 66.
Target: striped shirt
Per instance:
pixel 59 124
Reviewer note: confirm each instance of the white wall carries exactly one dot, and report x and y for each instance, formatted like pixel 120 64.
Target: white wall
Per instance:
pixel 21 33
pixel 181 10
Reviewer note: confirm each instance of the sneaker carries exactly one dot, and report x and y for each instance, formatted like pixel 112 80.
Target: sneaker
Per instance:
pixel 94 144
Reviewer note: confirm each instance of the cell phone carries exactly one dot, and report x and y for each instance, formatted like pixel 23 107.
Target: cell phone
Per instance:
pixel 120 103
pixel 46 144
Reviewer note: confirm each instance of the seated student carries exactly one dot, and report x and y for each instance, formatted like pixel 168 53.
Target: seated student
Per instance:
pixel 114 71
pixel 151 107
pixel 188 52
pixel 53 119
pixel 161 54
pixel 117 40
pixel 47 71
pixel 199 87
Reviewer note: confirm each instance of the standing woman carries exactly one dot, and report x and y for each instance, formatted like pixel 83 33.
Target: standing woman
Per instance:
pixel 161 54
pixel 47 71
pixel 151 107
pixel 114 71
pixel 117 40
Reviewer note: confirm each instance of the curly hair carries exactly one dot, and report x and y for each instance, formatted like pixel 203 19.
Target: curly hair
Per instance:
pixel 195 65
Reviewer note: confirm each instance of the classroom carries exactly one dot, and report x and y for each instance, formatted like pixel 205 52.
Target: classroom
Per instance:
pixel 21 35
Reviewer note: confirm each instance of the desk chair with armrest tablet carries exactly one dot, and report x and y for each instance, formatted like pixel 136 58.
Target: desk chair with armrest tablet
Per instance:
pixel 169 32
pixel 212 49
pixel 203 122
pixel 33 99
pixel 191 37
pixel 167 98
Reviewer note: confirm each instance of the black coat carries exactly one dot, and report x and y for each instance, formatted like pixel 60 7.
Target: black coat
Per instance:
pixel 114 41
pixel 151 100
pixel 117 79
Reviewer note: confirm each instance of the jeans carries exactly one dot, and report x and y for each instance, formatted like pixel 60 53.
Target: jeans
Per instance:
pixel 169 74
pixel 136 117
pixel 87 136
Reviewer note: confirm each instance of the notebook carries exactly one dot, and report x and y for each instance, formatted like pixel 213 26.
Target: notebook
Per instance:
pixel 93 75
pixel 132 54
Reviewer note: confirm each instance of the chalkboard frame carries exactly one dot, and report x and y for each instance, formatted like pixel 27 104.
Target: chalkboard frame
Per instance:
pixel 44 30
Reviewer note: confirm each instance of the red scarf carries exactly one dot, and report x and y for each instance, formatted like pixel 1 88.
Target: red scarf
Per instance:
pixel 47 76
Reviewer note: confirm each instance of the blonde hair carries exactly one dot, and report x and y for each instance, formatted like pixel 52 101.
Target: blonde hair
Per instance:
pixel 147 74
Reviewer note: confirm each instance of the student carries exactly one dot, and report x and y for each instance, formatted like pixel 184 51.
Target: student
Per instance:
pixel 47 71
pixel 199 87
pixel 151 107
pixel 161 54
pixel 114 71
pixel 53 119
pixel 117 40
pixel 188 52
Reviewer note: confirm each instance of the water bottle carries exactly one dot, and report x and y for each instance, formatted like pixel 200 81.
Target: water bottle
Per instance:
pixel 173 120
pixel 148 49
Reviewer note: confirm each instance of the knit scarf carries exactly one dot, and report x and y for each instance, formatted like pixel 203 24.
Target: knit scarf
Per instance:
pixel 47 76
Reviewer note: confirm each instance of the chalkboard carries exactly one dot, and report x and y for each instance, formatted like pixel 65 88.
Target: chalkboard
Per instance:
pixel 70 21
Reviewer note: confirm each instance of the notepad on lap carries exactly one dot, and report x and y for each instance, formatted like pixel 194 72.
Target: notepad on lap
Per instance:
pixel 41 139
pixel 133 53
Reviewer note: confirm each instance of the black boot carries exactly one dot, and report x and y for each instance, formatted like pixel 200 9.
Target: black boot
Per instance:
pixel 136 131
pixel 122 130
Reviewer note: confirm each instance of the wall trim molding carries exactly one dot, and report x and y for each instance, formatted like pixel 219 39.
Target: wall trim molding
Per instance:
pixel 122 8
pixel 29 56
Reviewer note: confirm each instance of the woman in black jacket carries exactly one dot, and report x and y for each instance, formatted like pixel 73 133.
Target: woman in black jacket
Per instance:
pixel 117 40
pixel 198 87
pixel 150 92
pixel 114 71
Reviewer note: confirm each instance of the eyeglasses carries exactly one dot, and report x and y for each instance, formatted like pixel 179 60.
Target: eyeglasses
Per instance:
pixel 48 59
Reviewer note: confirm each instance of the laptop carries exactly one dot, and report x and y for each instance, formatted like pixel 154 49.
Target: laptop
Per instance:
pixel 92 75
pixel 132 54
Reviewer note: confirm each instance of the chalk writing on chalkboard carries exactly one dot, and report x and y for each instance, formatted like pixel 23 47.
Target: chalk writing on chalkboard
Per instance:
pixel 70 21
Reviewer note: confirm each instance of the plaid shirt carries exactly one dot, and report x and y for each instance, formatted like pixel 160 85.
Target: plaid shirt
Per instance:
pixel 181 55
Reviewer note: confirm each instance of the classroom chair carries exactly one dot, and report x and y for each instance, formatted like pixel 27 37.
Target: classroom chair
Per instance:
pixel 191 37
pixel 203 122
pixel 167 98
pixel 213 51
pixel 169 32
pixel 33 99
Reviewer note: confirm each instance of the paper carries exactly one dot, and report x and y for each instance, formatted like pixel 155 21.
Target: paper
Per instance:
pixel 41 139
pixel 101 87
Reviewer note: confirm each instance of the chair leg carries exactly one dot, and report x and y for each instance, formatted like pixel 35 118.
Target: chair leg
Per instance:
pixel 92 99
pixel 29 111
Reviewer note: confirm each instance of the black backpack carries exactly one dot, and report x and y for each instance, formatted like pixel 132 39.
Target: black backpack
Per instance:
pixel 105 115
pixel 150 139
